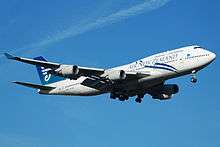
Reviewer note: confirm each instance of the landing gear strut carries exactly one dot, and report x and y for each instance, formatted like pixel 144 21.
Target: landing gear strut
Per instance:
pixel 139 98
pixel 194 78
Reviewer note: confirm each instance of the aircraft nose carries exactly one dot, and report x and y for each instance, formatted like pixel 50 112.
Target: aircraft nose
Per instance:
pixel 212 56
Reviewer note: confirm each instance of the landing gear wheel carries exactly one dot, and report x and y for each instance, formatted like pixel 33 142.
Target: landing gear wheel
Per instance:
pixel 194 79
pixel 138 100
pixel 121 98
pixel 126 98
pixel 113 96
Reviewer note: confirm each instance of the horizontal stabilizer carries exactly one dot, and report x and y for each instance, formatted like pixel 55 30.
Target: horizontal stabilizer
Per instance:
pixel 9 56
pixel 35 86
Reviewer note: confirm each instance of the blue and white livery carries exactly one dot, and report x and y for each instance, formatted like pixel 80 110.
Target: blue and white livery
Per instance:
pixel 145 76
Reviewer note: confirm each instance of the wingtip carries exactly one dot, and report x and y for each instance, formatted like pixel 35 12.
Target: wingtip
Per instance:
pixel 14 82
pixel 9 56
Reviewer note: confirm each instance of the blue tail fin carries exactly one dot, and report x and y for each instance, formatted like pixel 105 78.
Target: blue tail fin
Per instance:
pixel 46 78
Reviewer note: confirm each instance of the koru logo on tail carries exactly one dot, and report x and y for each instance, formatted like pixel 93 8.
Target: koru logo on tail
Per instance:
pixel 45 73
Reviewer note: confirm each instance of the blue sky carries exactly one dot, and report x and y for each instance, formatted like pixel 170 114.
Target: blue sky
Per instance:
pixel 105 34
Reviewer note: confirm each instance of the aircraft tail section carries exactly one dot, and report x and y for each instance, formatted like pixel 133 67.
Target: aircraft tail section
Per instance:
pixel 45 77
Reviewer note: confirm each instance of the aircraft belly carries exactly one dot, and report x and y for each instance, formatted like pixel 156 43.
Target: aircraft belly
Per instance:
pixel 142 85
pixel 85 91
pixel 78 90
pixel 133 88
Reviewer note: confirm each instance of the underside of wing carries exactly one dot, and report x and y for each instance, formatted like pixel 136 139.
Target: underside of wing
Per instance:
pixel 96 82
pixel 107 84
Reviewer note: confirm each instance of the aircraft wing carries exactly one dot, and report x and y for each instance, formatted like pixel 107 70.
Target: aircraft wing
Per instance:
pixel 33 62
pixel 96 82
pixel 73 71
pixel 102 83
pixel 83 71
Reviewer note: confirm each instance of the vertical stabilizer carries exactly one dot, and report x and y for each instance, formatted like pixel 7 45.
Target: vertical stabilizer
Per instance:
pixel 44 76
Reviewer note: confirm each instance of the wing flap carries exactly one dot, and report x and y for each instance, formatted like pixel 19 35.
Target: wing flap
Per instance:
pixel 35 86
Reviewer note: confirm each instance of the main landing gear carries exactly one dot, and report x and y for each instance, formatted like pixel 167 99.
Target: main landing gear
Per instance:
pixel 194 78
pixel 120 97
pixel 125 97
pixel 139 98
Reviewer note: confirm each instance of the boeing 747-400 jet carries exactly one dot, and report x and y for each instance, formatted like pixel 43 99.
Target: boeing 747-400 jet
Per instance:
pixel 145 76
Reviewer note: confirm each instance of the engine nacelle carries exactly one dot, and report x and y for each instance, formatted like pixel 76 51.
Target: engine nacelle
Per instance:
pixel 116 75
pixel 166 92
pixel 170 89
pixel 67 70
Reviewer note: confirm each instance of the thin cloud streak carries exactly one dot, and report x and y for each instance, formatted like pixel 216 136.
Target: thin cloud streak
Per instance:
pixel 80 28
pixel 144 7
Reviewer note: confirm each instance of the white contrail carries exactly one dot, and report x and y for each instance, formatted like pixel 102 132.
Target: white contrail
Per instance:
pixel 146 6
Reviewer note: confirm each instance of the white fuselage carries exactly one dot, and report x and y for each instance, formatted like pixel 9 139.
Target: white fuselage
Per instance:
pixel 160 67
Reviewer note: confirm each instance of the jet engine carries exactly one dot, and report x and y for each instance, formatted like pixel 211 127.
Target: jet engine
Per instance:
pixel 170 89
pixel 66 71
pixel 116 75
pixel 166 92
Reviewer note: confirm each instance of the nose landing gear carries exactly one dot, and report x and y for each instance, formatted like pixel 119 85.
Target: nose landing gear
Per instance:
pixel 194 78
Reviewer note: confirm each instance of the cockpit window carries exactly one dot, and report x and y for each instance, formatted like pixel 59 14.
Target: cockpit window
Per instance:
pixel 197 47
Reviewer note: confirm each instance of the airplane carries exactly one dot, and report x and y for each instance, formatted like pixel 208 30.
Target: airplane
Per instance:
pixel 145 76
